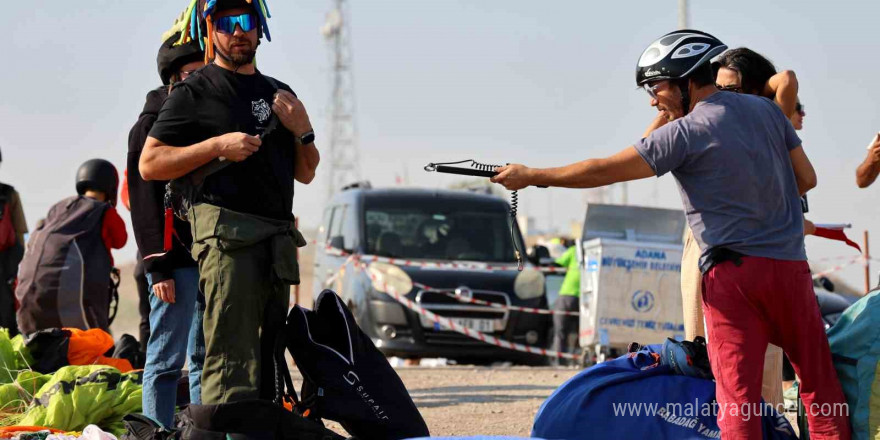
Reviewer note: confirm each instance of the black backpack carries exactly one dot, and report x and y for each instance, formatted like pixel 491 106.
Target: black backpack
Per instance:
pixel 345 377
pixel 244 420
pixel 249 420
pixel 65 276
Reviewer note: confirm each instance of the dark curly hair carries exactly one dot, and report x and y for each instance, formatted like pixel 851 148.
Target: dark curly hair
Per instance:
pixel 754 68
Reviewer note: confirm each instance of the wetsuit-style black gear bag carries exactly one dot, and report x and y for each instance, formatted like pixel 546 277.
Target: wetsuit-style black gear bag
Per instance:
pixel 345 377
pixel 248 420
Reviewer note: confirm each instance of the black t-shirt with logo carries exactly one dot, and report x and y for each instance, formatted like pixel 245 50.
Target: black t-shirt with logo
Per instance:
pixel 214 101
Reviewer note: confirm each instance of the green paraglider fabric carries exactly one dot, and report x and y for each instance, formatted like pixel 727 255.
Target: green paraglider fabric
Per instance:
pixel 77 396
pixel 14 356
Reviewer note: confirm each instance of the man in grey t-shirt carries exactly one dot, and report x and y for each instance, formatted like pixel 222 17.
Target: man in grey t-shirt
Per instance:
pixel 731 160
pixel 741 169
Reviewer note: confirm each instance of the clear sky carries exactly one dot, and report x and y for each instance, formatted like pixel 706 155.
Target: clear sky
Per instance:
pixel 541 83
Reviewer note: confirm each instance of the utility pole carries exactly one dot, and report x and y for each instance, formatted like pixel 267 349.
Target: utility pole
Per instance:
pixel 342 151
pixel 683 22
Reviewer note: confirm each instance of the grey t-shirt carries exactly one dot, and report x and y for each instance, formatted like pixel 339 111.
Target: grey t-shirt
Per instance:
pixel 730 158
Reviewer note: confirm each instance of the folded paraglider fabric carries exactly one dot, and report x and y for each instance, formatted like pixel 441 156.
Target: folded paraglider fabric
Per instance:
pixel 77 396
pixel 55 348
pixel 635 396
pixel 855 349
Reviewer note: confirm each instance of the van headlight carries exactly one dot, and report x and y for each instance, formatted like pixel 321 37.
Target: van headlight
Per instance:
pixel 529 284
pixel 388 277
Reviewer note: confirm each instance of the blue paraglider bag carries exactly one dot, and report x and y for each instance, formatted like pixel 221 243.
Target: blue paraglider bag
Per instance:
pixel 639 396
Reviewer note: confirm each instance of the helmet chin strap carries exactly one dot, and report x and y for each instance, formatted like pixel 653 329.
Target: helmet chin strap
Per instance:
pixel 685 96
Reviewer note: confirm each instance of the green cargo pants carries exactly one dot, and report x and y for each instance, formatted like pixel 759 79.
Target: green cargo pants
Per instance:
pixel 246 265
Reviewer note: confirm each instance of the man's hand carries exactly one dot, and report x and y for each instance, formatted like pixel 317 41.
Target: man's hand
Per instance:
pixel 874 149
pixel 237 146
pixel 867 172
pixel 291 112
pixel 513 177
pixel 164 290
pixel 809 227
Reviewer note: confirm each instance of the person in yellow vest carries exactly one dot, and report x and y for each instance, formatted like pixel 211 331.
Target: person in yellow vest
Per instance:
pixel 565 327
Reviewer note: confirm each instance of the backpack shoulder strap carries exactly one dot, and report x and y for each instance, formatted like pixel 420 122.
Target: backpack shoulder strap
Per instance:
pixel 282 374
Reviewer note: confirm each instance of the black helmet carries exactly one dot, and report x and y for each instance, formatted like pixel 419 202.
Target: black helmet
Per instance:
pixel 98 175
pixel 222 5
pixel 172 57
pixel 676 54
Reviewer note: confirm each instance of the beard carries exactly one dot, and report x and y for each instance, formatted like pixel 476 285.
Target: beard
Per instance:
pixel 242 57
pixel 241 52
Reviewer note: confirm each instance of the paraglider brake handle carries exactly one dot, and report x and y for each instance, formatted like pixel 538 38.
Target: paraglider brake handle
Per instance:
pixel 477 169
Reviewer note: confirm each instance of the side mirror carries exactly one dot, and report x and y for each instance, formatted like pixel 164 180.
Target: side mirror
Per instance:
pixel 538 254
pixel 337 242
pixel 549 261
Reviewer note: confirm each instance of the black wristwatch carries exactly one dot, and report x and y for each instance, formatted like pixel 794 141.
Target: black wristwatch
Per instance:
pixel 307 138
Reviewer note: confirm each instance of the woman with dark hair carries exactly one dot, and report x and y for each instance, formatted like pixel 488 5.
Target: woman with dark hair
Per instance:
pixel 743 70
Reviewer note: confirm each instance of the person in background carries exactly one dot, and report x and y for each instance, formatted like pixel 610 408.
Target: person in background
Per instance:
pixel 12 230
pixel 743 70
pixel 140 278
pixel 867 172
pixel 65 273
pixel 176 306
pixel 565 327
pixel 797 118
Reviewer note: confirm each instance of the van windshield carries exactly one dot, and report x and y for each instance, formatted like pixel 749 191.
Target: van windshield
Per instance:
pixel 438 231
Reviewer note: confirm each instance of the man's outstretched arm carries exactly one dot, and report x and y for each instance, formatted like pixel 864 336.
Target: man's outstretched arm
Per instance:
pixel 591 173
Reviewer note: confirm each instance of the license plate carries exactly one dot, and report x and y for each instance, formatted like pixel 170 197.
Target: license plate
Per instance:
pixel 480 325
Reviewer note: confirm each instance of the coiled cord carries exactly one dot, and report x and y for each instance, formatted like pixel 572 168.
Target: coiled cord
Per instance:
pixel 514 203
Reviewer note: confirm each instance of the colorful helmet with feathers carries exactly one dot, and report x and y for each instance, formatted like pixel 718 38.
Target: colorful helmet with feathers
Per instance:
pixel 199 23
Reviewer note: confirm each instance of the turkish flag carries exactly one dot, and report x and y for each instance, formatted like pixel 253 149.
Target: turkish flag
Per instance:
pixel 835 234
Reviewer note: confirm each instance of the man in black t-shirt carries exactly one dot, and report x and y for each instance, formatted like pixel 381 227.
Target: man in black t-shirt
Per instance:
pixel 241 220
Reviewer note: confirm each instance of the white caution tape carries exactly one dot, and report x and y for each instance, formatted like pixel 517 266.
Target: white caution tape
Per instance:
pixel 492 268
pixel 828 259
pixel 332 279
pixel 473 334
pixel 461 265
pixel 839 267
pixel 497 305
pixel 359 259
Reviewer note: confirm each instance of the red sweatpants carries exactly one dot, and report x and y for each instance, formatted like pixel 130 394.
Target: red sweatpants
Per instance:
pixel 767 300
